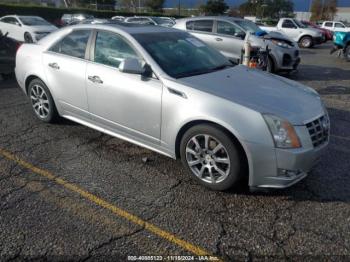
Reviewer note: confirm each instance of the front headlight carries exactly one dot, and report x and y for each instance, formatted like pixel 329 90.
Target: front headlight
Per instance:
pixel 281 43
pixel 283 132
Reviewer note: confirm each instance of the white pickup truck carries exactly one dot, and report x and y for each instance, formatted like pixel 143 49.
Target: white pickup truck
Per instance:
pixel 335 26
pixel 295 30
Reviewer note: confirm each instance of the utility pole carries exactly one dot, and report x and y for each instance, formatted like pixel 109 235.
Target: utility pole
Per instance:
pixel 322 10
pixel 179 8
pixel 310 4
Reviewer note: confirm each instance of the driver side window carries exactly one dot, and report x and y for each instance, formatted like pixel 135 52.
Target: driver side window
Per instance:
pixel 338 25
pixel 111 49
pixel 226 28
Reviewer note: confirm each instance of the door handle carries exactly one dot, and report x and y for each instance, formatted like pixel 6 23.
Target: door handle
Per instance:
pixel 54 66
pixel 218 39
pixel 95 79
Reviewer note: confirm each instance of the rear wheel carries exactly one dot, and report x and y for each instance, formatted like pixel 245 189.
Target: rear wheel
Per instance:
pixel 42 101
pixel 306 42
pixel 347 53
pixel 211 156
pixel 28 38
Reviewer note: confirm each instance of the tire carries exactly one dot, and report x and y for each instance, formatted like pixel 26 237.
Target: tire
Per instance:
pixel 42 102
pixel 347 53
pixel 28 38
pixel 306 42
pixel 270 65
pixel 199 159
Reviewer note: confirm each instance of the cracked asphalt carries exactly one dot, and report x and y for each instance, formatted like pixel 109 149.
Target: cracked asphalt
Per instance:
pixel 40 219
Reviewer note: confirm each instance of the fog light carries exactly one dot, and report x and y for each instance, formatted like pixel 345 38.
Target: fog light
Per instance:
pixel 288 173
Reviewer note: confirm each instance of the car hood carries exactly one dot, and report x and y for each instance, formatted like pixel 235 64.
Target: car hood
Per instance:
pixel 312 31
pixel 262 92
pixel 44 28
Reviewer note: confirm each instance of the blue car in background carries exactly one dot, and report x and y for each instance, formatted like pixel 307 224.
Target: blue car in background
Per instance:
pixel 341 41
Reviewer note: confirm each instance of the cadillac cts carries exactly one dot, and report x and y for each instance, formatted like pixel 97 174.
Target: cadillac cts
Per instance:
pixel 168 91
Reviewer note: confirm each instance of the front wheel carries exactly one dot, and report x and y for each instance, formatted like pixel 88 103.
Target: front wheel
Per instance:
pixel 306 42
pixel 211 156
pixel 42 102
pixel 28 38
pixel 270 65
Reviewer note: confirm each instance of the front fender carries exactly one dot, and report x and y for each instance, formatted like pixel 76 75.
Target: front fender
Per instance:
pixel 245 124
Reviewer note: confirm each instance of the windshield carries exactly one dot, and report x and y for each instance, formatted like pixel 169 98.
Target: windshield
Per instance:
pixel 248 26
pixel 84 16
pixel 33 20
pixel 299 24
pixel 161 21
pixel 181 55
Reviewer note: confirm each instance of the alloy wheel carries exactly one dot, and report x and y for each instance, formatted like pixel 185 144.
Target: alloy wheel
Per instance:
pixel 306 42
pixel 40 101
pixel 208 158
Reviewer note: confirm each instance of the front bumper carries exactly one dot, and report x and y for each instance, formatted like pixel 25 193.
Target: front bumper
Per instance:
pixel 318 40
pixel 293 166
pixel 40 36
pixel 280 168
pixel 285 59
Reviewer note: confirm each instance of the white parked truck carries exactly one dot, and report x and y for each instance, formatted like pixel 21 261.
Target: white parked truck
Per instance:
pixel 335 26
pixel 295 30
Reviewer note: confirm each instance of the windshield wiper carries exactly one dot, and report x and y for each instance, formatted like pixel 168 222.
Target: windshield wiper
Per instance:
pixel 210 70
pixel 217 68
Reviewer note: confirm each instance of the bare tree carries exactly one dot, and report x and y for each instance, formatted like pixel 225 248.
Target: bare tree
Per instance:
pixel 130 5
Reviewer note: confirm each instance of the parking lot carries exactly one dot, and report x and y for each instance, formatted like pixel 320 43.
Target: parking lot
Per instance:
pixel 69 192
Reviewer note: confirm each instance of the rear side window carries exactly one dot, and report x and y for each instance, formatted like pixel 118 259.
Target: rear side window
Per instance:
pixel 146 21
pixel 288 24
pixel 73 44
pixel 328 24
pixel 200 25
pixel 111 49
pixel 10 20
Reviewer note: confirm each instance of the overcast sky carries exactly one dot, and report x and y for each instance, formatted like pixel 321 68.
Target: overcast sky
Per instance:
pixel 299 5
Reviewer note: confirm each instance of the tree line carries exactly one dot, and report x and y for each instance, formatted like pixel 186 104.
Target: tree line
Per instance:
pixel 323 10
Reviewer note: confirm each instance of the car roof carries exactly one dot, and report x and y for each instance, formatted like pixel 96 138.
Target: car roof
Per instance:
pixel 140 16
pixel 19 16
pixel 129 27
pixel 227 18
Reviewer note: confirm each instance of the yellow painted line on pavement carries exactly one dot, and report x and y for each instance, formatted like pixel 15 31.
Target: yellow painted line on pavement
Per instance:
pixel 116 210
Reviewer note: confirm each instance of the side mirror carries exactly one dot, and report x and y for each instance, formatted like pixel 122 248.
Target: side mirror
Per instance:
pixel 18 24
pixel 240 34
pixel 131 66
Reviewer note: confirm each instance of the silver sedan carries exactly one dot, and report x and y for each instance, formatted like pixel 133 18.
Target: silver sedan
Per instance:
pixel 168 91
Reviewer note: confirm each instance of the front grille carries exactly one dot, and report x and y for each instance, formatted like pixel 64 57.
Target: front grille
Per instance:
pixel 287 60
pixel 319 130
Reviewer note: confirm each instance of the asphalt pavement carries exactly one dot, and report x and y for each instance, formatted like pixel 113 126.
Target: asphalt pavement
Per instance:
pixel 68 192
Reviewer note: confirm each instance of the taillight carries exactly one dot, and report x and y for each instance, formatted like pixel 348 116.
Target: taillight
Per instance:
pixel 18 45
